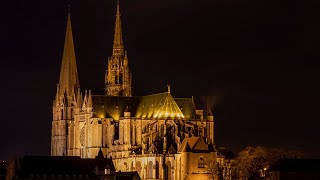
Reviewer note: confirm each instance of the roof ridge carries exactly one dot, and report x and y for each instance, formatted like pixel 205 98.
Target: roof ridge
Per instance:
pixel 155 94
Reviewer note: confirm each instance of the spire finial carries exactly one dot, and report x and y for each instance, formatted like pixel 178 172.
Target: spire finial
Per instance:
pixel 169 89
pixel 68 6
pixel 118 49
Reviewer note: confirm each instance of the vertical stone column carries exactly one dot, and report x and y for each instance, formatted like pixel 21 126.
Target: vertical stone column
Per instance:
pixel 121 134
pixel 165 138
pixel 138 132
pixel 154 170
pixel 134 133
pixel 150 140
pixel 210 128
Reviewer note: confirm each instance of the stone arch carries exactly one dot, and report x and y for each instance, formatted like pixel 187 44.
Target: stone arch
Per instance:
pixel 168 173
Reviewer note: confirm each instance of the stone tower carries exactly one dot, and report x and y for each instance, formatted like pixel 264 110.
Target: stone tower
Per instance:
pixel 65 100
pixel 118 76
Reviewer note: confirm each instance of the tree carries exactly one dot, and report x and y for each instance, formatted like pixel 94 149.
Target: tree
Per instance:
pixel 215 171
pixel 252 161
pixel 212 169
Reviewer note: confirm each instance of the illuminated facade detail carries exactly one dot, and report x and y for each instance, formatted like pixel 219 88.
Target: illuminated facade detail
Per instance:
pixel 159 136
pixel 118 76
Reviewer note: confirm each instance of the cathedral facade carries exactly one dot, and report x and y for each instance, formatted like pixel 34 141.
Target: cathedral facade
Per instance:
pixel 157 135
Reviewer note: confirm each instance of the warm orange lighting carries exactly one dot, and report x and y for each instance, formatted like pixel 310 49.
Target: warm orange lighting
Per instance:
pixel 101 116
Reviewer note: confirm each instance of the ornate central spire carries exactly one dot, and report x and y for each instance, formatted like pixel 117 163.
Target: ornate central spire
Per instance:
pixel 68 73
pixel 118 76
pixel 118 49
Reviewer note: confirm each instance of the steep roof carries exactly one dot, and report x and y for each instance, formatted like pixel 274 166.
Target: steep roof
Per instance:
pixel 113 106
pixel 158 106
pixel 161 105
pixel 194 144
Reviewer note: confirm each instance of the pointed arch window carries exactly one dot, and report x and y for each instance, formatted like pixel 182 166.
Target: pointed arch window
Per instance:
pixel 201 162
pixel 138 167
pixel 150 170
pixel 168 173
pixel 157 169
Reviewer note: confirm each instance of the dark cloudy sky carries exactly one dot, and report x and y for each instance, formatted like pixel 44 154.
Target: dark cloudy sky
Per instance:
pixel 260 58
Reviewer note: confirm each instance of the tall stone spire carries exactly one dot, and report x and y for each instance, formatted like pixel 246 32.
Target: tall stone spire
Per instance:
pixel 68 73
pixel 64 111
pixel 118 76
pixel 118 48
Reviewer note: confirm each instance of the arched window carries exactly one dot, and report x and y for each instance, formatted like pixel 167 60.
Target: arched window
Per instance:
pixel 168 173
pixel 150 169
pixel 132 166
pixel 157 170
pixel 138 167
pixel 201 163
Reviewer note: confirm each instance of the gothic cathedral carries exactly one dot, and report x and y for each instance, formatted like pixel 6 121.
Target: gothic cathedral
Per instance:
pixel 157 135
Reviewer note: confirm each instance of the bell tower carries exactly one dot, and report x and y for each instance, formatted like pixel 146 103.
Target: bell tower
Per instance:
pixel 118 76
pixel 65 101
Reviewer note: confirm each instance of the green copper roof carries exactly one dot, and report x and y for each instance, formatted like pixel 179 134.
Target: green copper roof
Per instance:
pixel 113 106
pixel 157 106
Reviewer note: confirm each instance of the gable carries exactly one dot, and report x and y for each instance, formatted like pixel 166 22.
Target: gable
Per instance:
pixel 201 145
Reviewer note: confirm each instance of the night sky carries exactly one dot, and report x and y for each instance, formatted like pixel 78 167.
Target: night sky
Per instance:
pixel 259 58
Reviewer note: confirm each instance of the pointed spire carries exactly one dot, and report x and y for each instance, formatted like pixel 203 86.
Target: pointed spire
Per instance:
pixel 100 154
pixel 68 73
pixel 79 99
pixel 89 99
pixel 85 100
pixel 118 49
